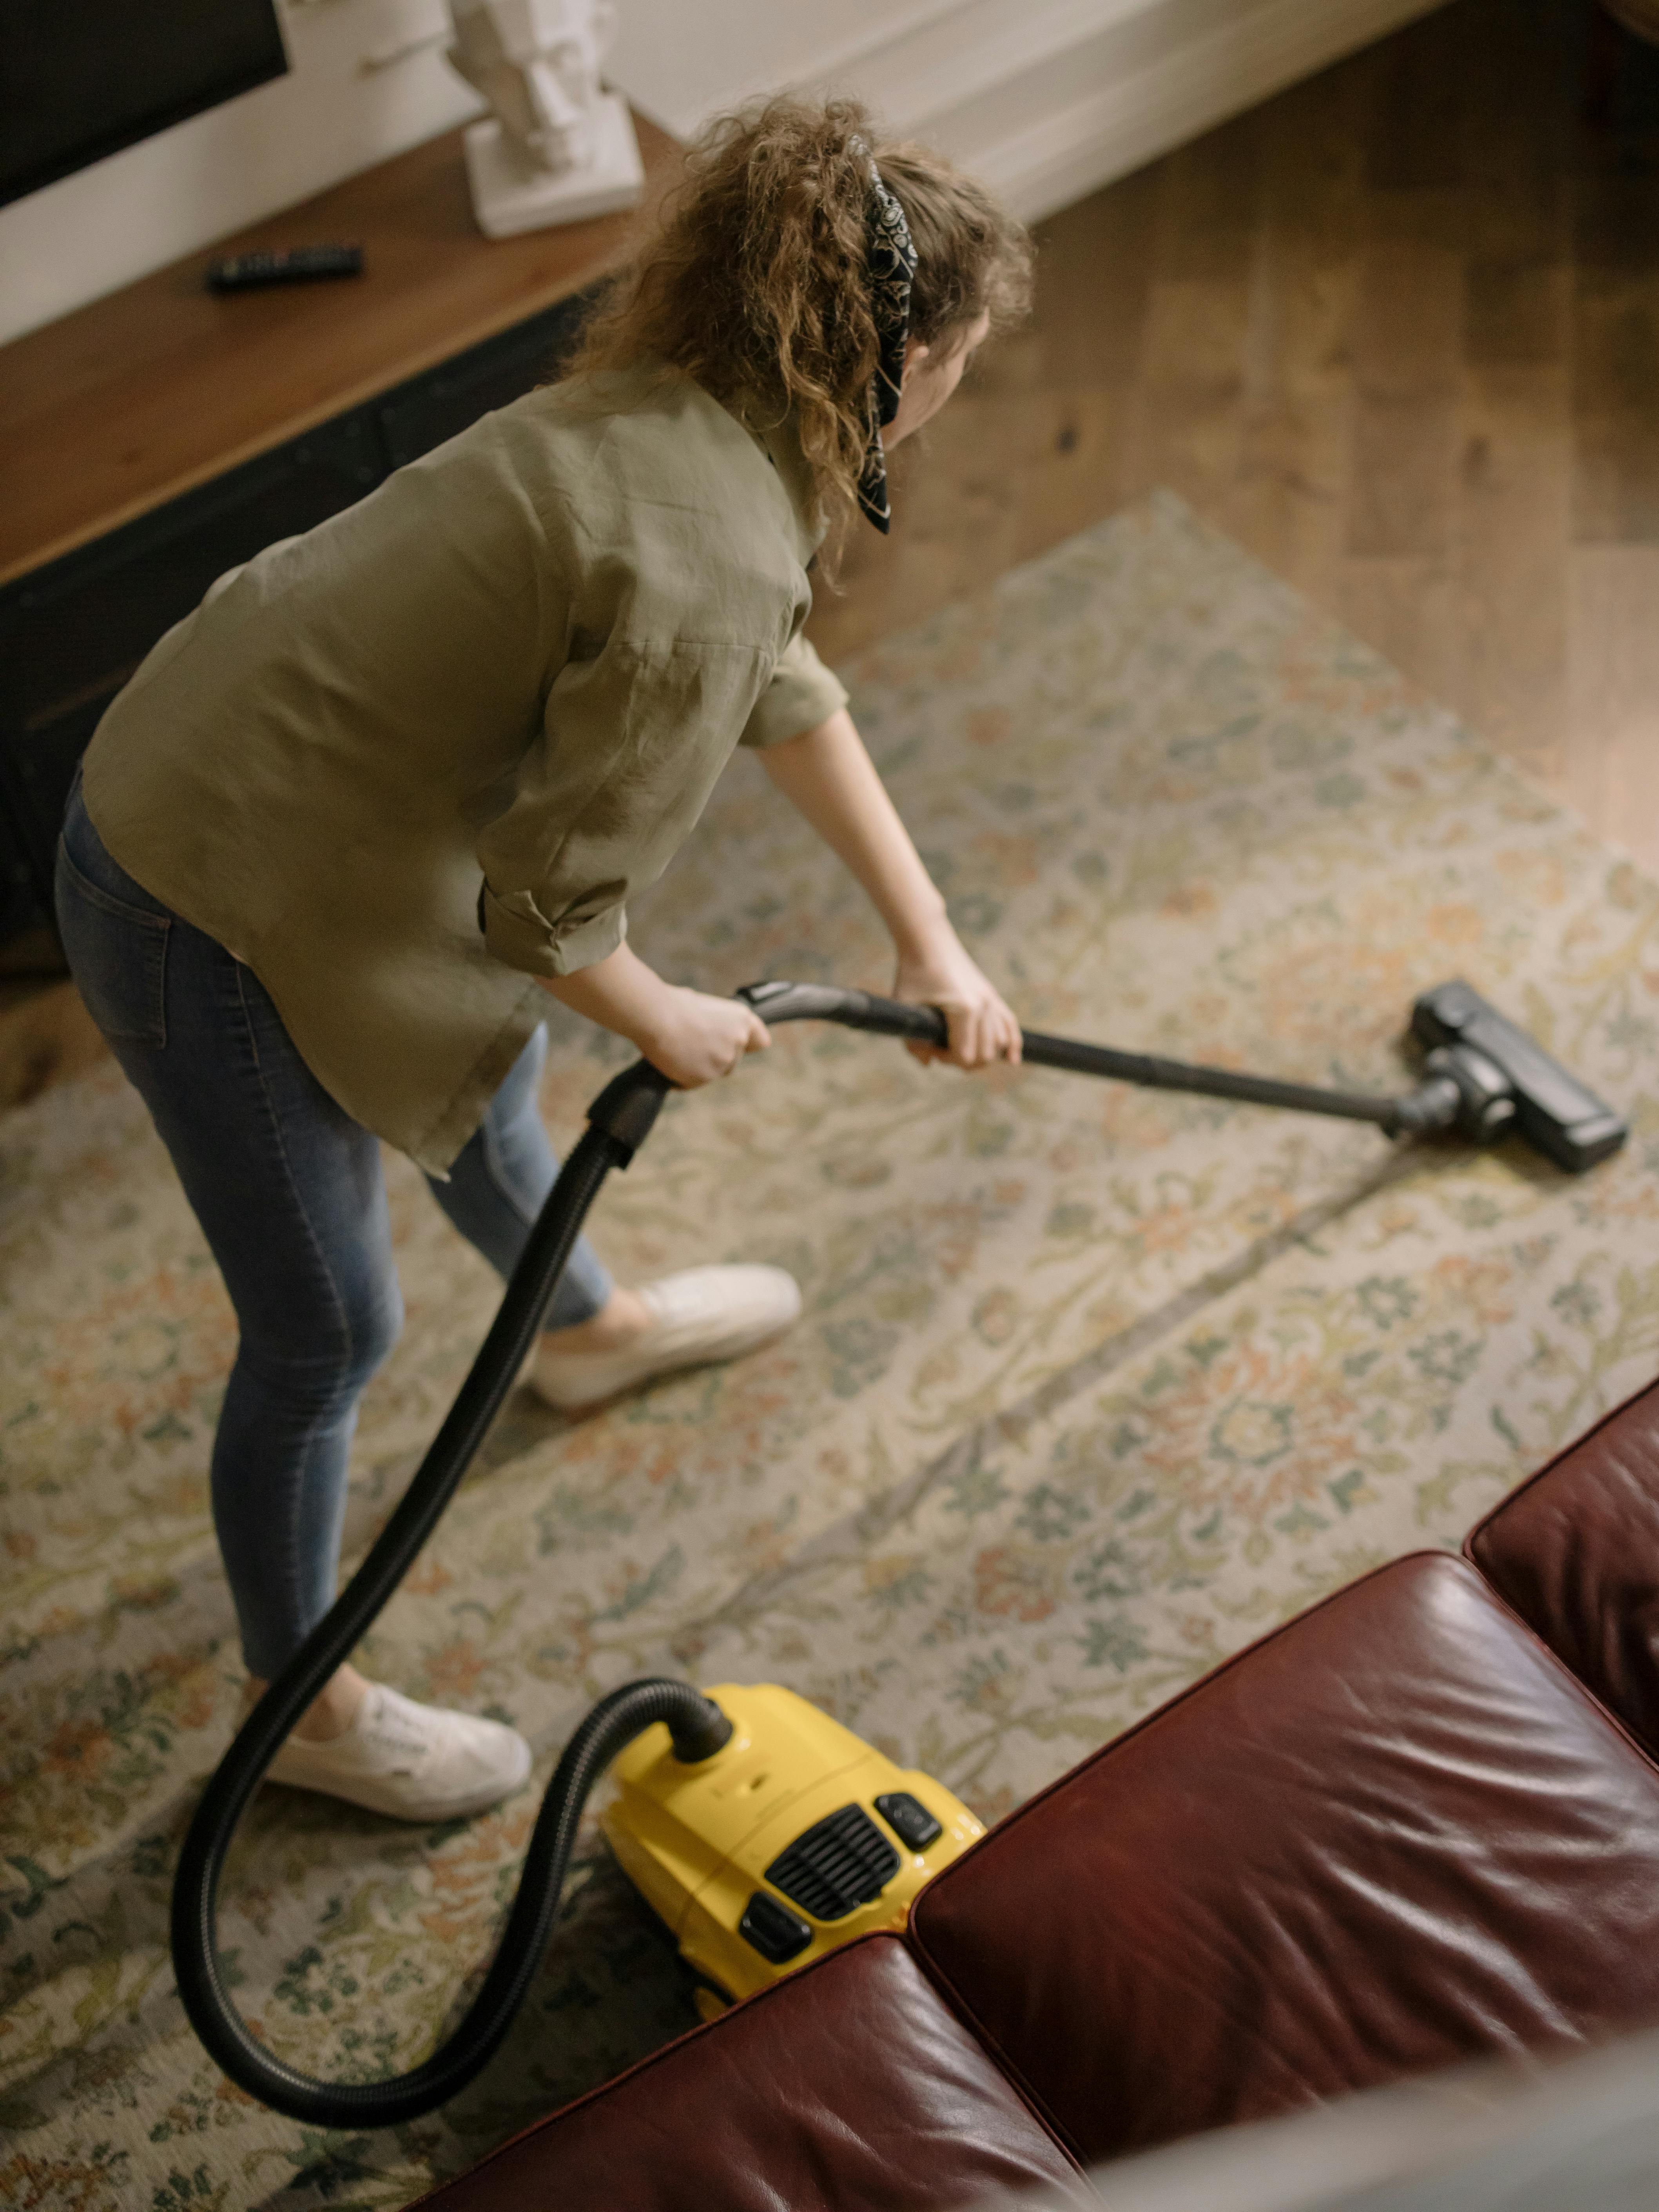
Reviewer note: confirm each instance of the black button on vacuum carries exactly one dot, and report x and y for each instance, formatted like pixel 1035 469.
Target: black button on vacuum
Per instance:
pixel 909 1819
pixel 772 1929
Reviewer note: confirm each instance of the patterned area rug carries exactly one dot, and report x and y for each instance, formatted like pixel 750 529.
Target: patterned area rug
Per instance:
pixel 1093 1384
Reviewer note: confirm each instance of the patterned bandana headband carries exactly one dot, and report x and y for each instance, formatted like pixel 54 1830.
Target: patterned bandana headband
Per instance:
pixel 890 260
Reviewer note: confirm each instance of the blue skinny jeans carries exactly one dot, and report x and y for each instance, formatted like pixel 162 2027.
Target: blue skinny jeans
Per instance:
pixel 289 1195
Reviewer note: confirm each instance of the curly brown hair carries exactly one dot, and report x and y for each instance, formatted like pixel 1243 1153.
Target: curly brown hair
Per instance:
pixel 752 277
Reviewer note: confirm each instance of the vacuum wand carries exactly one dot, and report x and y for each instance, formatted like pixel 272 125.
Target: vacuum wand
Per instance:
pixel 1482 1077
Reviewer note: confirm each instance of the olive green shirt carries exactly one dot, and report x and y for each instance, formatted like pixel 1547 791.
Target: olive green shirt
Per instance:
pixel 500 687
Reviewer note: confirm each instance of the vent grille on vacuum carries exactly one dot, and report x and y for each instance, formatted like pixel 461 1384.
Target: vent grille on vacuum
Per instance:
pixel 843 1861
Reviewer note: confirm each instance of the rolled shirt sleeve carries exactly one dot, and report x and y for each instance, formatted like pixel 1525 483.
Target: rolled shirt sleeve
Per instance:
pixel 632 741
pixel 801 694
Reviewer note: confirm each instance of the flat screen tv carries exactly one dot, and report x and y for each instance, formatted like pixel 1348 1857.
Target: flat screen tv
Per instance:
pixel 79 79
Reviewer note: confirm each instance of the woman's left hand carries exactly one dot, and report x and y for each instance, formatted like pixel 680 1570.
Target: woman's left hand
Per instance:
pixel 982 1027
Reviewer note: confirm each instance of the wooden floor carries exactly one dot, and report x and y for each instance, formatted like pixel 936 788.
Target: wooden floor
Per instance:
pixel 1397 332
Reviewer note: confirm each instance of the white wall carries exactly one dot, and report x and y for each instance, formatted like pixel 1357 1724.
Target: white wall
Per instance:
pixel 1046 99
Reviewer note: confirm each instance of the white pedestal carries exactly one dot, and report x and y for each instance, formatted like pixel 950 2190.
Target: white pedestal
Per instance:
pixel 509 195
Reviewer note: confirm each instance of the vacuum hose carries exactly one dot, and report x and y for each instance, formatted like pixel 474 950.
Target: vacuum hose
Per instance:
pixel 619 1121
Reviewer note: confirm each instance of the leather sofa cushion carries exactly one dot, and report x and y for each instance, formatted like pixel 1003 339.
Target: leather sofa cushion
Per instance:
pixel 1576 1552
pixel 846 2088
pixel 1393 1834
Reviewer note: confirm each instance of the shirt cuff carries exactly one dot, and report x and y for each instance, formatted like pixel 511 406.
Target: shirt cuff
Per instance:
pixel 518 931
pixel 801 694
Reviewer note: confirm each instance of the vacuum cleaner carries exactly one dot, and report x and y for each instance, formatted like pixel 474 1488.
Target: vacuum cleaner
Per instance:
pixel 761 1830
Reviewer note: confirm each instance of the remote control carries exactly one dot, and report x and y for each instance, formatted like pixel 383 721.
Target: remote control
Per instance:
pixel 300 265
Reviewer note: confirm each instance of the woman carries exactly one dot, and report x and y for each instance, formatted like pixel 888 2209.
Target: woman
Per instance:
pixel 396 779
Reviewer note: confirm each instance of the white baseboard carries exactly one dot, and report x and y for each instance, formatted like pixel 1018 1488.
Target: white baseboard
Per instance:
pixel 1077 148
pixel 953 53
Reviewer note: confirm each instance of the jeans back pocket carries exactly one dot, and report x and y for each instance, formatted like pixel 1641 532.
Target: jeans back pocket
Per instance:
pixel 116 950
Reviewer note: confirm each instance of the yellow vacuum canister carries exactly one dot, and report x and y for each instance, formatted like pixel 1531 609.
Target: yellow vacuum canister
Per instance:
pixel 793 1838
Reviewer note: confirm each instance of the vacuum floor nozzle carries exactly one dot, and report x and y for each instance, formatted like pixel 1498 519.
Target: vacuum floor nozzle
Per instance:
pixel 1552 1109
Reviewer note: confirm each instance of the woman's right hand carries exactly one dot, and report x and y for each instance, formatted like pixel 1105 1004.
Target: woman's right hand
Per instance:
pixel 691 1036
pixel 694 1038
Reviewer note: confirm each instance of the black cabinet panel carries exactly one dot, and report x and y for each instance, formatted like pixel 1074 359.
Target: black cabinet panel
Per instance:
pixel 72 633
pixel 19 908
pixel 82 626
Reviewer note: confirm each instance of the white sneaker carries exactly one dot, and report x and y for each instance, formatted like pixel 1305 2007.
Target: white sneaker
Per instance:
pixel 703 1314
pixel 412 1762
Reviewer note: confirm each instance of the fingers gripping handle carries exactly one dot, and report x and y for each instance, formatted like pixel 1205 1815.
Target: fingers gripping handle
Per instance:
pixel 626 1110
pixel 853 1010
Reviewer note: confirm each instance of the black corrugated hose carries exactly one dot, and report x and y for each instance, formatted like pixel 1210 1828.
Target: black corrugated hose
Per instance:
pixel 619 1121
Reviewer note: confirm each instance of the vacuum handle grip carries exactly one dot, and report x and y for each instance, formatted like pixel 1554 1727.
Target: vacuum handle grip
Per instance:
pixel 627 1109
pixel 853 1010
pixel 892 1017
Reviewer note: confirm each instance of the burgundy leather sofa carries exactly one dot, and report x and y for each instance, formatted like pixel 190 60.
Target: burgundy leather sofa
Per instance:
pixel 1418 1824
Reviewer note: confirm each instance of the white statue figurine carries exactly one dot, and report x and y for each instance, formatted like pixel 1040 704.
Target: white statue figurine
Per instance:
pixel 559 148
